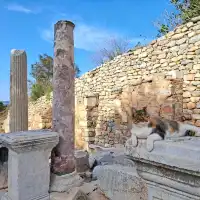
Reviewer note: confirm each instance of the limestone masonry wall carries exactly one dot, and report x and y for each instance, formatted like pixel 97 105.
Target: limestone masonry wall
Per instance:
pixel 164 76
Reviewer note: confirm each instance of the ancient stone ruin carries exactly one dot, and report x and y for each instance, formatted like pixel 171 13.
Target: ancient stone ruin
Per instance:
pixel 18 92
pixel 162 76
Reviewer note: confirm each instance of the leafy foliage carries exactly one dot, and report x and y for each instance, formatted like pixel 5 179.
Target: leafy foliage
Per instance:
pixel 37 90
pixel 2 106
pixel 184 11
pixel 187 8
pixel 42 73
pixel 139 115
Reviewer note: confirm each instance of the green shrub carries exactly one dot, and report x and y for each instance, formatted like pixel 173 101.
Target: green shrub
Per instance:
pixel 2 106
pixel 37 91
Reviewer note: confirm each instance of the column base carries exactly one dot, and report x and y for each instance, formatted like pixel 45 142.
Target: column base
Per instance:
pixel 65 182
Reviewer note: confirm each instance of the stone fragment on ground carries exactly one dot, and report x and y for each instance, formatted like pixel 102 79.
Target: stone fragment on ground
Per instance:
pixel 88 191
pixel 120 182
pixel 65 182
pixel 77 194
pixel 97 195
pixel 81 161
pixel 86 176
pixel 88 188
pixel 109 157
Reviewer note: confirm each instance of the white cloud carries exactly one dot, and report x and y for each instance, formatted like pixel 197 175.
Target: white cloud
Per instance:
pixel 18 8
pixel 88 37
pixel 91 37
pixel 85 37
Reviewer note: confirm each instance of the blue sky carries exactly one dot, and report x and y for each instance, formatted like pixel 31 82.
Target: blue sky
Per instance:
pixel 28 25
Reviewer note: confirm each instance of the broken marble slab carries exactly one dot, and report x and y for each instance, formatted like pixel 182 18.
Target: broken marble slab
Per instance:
pixel 180 152
pixel 120 182
pixel 171 170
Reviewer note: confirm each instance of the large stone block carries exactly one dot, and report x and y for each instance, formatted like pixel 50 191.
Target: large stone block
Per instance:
pixel 90 101
pixel 120 182
pixel 81 161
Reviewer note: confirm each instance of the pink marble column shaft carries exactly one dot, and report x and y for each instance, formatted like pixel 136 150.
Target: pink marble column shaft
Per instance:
pixel 63 97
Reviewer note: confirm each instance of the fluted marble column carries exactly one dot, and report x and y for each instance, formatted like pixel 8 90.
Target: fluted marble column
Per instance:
pixel 18 91
pixel 63 97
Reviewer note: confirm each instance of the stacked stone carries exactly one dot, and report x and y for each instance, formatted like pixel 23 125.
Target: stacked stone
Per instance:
pixel 40 113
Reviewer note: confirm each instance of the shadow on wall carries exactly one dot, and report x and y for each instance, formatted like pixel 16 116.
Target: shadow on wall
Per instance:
pixel 86 115
pixel 161 97
pixel 3 168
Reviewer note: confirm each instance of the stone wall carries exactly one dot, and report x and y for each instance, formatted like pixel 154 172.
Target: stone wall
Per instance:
pixel 3 115
pixel 163 76
pixel 174 60
pixel 39 114
pixel 106 120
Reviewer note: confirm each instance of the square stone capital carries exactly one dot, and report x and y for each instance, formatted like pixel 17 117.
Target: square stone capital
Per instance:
pixel 29 140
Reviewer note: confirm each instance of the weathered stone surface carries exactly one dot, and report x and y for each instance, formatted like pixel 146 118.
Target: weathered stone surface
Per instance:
pixel 88 188
pixel 191 105
pixel 119 182
pixel 163 173
pixel 3 175
pixel 81 161
pixel 194 39
pixel 186 94
pixel 195 19
pixel 63 97
pixel 18 91
pixel 29 182
pixel 74 194
pixel 189 77
pixel 65 183
pixel 97 195
pixel 2 194
pixel 196 116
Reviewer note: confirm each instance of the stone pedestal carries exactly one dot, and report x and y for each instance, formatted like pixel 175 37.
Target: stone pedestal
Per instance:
pixel 171 170
pixel 18 91
pixel 28 164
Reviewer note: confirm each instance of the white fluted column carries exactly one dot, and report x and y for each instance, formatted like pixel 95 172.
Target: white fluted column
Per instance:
pixel 18 91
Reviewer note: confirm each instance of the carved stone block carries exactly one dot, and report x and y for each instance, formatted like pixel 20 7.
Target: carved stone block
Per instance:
pixel 171 170
pixel 28 164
